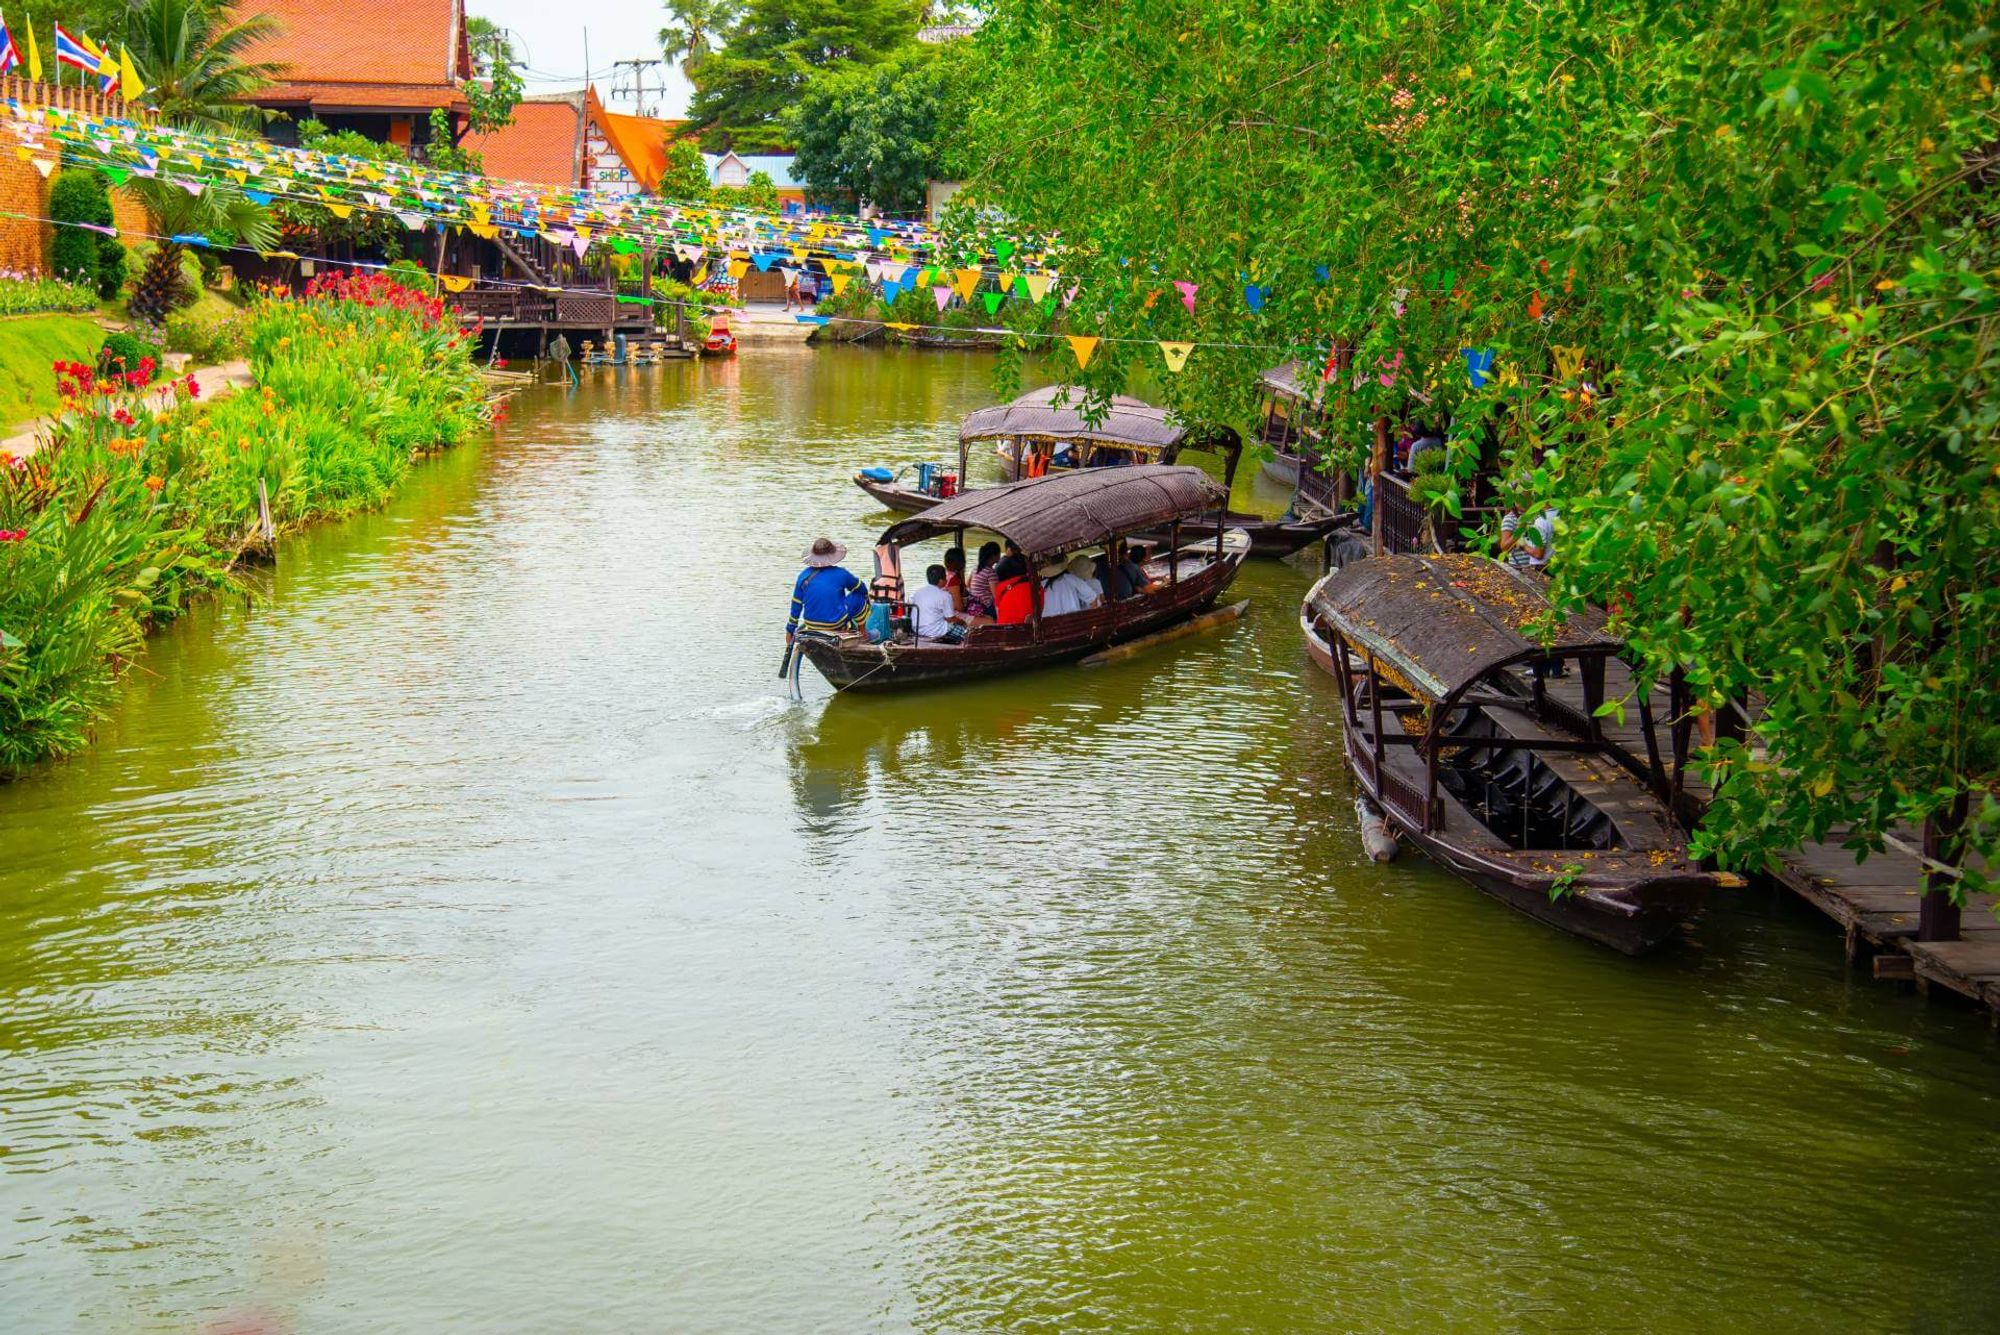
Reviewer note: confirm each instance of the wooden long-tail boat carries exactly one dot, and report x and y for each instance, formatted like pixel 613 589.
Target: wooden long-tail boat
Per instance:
pixel 1042 432
pixel 1048 518
pixel 1451 733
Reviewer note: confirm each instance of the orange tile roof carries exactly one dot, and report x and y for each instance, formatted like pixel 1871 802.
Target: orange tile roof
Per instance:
pixel 359 52
pixel 540 145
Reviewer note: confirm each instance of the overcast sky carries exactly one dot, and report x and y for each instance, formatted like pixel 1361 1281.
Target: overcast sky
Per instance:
pixel 550 38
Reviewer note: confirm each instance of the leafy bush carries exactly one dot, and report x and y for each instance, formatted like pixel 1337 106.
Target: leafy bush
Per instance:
pixel 25 294
pixel 208 339
pixel 125 353
pixel 127 513
pixel 410 274
pixel 89 258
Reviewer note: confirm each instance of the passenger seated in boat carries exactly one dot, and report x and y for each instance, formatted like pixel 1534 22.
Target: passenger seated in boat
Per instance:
pixel 1071 588
pixel 932 614
pixel 826 598
pixel 954 577
pixel 979 589
pixel 1013 591
pixel 1122 570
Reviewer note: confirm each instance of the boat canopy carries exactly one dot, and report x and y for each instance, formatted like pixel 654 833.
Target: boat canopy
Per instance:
pixel 1443 622
pixel 1047 516
pixel 1130 422
pixel 1283 381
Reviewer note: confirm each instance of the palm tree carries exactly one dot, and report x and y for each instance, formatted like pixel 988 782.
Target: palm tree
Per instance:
pixel 491 45
pixel 216 210
pixel 190 57
pixel 693 28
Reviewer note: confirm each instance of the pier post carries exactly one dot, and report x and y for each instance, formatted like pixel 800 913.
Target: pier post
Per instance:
pixel 1937 911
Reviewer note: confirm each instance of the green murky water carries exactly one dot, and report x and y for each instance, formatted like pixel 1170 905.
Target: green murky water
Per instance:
pixel 472 938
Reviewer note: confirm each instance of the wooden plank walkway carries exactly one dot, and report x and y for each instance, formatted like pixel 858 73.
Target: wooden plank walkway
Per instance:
pixel 1873 902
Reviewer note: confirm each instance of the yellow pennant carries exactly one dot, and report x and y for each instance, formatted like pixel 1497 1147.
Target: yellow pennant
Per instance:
pixel 454 282
pixel 1569 360
pixel 701 275
pixel 1082 345
pixel 840 282
pixel 798 252
pixel 1038 285
pixel 1176 354
pixel 1007 277
pixel 340 210
pixel 966 281
pixel 483 233
pixel 899 325
pixel 242 178
pixel 737 268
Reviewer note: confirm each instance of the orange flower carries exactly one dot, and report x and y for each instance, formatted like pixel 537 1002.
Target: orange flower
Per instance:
pixel 155 482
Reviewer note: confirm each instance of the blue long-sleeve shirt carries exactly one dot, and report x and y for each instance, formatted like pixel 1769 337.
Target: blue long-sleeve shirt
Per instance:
pixel 825 598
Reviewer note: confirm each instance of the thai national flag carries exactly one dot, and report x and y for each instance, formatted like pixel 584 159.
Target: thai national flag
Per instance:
pixel 73 53
pixel 10 57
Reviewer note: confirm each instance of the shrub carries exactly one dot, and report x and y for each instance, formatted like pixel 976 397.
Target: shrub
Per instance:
pixel 125 353
pixel 92 259
pixel 208 339
pixel 410 274
pixel 25 294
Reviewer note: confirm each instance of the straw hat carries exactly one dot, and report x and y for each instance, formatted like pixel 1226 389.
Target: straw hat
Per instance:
pixel 1050 569
pixel 1082 567
pixel 825 552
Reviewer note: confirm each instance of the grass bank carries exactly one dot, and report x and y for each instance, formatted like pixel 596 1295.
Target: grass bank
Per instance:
pixel 128 513
pixel 29 346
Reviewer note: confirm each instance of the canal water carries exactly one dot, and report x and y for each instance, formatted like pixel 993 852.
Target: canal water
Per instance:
pixel 472 937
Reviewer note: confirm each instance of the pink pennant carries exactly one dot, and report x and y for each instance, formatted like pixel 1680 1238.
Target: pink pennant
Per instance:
pixel 943 295
pixel 1070 295
pixel 1386 368
pixel 1187 291
pixel 580 244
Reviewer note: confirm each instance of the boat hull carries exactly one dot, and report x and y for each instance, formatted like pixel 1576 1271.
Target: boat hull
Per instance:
pixel 854 665
pixel 1283 469
pixel 1633 914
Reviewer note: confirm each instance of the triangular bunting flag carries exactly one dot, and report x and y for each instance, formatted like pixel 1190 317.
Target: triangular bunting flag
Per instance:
pixel 942 294
pixel 1176 355
pixel 993 300
pixel 1187 291
pixel 967 282
pixel 1083 346
pixel 1038 285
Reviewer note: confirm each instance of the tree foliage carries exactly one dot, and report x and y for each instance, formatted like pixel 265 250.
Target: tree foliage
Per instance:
pixel 769 51
pixel 1733 262
pixel 81 256
pixel 878 133
pixel 685 177
pixel 190 56
pixel 692 28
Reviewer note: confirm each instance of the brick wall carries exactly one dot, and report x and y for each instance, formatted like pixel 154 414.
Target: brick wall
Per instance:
pixel 24 242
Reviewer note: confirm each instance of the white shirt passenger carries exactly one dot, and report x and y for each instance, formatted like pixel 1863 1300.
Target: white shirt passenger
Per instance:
pixel 931 609
pixel 1070 592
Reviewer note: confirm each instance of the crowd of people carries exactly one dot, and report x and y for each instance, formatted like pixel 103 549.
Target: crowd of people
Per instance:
pixel 1001 590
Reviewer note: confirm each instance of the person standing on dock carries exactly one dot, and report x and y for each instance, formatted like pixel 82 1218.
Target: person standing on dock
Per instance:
pixel 559 352
pixel 826 598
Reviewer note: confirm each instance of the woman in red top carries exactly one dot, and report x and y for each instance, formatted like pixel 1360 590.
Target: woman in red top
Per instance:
pixel 1013 591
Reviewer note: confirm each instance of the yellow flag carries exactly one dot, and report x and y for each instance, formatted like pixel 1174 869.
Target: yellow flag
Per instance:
pixel 966 280
pixel 737 268
pixel 1176 355
pixel 899 325
pixel 454 282
pixel 1007 278
pixel 1569 360
pixel 840 282
pixel 34 55
pixel 340 210
pixel 1038 285
pixel 129 86
pixel 484 233
pixel 701 275
pixel 1082 345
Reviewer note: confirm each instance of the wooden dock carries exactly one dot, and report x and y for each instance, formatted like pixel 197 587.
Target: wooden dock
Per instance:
pixel 1876 903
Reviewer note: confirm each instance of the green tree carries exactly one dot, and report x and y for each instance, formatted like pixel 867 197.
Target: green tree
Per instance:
pixel 877 133
pixel 743 89
pixel 492 46
pixel 189 54
pixel 76 253
pixel 759 192
pixel 217 211
pixel 297 216
pixel 692 27
pixel 685 177
pixel 1733 264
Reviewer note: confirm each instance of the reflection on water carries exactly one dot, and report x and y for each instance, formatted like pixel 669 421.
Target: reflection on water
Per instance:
pixel 472 937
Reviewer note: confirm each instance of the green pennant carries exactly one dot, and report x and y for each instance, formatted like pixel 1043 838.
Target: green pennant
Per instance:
pixel 1021 288
pixel 993 300
pixel 1048 305
pixel 1002 249
pixel 635 301
pixel 116 175
pixel 625 247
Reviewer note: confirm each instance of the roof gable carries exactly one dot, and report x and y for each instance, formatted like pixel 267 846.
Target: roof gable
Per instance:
pixel 379 44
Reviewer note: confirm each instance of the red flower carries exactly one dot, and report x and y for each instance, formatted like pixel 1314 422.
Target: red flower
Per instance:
pixel 123 418
pixel 193 387
pixel 12 534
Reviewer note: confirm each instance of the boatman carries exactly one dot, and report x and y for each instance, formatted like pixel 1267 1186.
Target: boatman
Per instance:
pixel 826 598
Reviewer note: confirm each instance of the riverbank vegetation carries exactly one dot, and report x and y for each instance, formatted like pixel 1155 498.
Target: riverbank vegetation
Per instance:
pixel 129 510
pixel 29 345
pixel 1715 281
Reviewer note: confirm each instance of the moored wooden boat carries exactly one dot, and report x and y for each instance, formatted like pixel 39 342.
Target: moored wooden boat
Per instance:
pixel 1049 518
pixel 1449 731
pixel 1041 432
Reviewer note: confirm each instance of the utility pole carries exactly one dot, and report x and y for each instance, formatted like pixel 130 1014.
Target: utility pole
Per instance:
pixel 638 89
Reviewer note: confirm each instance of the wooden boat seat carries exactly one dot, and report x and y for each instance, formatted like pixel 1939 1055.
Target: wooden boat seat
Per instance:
pixel 1642 822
